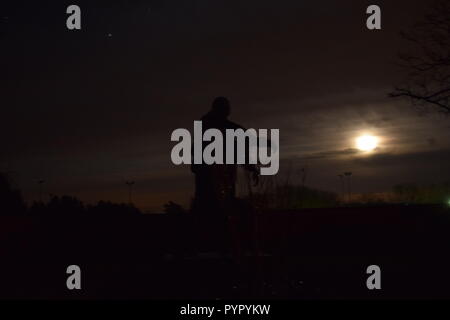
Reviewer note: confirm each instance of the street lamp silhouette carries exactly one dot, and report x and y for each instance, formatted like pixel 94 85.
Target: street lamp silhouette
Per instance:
pixel 348 175
pixel 303 173
pixel 130 187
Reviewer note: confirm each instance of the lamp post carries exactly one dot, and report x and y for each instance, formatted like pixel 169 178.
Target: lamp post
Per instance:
pixel 130 187
pixel 303 170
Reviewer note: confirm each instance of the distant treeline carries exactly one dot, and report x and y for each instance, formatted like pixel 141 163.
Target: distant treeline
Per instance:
pixel 71 205
pixel 435 193
pixel 294 197
pixel 272 195
pixel 12 203
pixel 269 195
pixel 405 194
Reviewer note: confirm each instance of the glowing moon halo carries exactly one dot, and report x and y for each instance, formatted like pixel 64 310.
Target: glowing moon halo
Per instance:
pixel 366 143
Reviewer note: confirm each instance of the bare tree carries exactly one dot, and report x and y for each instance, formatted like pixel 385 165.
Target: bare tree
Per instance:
pixel 428 63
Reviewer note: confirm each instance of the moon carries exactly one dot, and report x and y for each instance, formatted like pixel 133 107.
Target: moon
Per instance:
pixel 366 143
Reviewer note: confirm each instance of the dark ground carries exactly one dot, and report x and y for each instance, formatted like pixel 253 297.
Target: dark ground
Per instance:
pixel 308 254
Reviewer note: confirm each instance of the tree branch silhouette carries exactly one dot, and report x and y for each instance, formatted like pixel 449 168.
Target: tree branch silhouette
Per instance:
pixel 428 64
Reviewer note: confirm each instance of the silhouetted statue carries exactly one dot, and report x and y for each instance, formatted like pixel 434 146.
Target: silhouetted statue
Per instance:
pixel 215 185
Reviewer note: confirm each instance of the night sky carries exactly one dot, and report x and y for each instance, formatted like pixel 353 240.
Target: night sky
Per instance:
pixel 87 110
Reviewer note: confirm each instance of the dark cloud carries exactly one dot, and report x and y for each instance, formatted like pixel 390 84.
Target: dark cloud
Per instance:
pixel 411 159
pixel 330 154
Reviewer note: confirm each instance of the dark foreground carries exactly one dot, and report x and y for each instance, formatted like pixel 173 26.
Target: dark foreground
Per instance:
pixel 310 254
